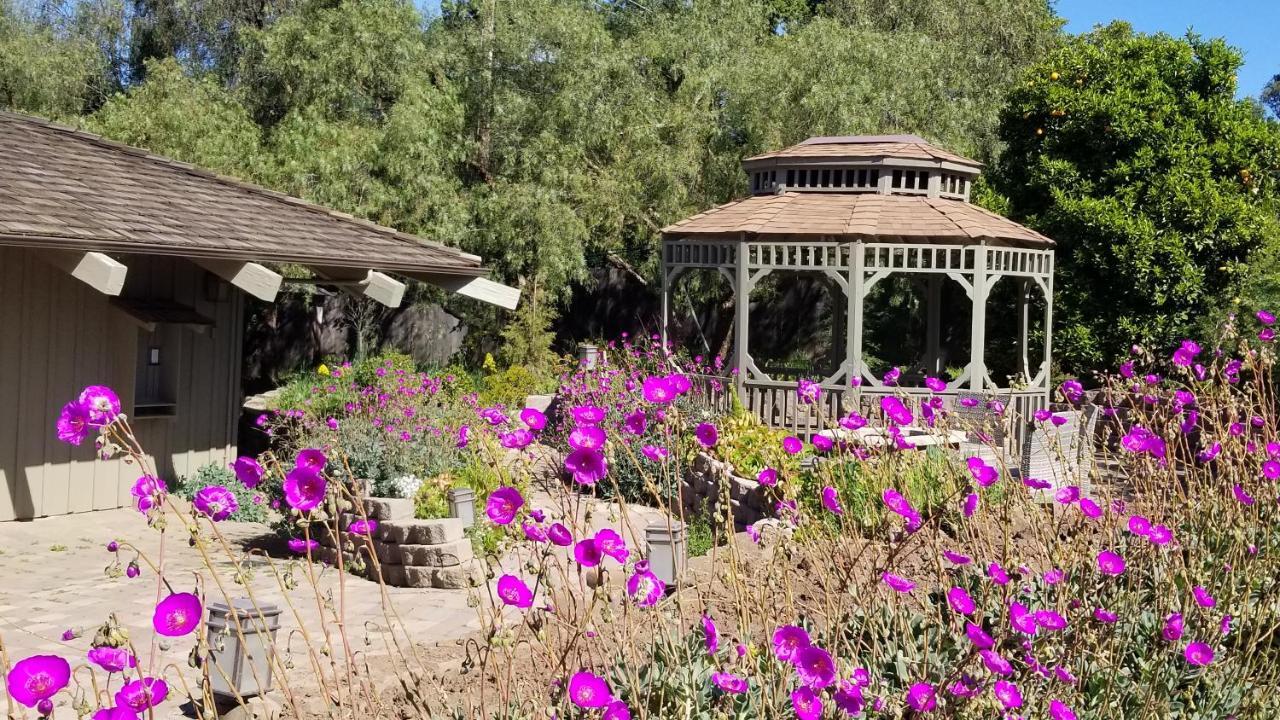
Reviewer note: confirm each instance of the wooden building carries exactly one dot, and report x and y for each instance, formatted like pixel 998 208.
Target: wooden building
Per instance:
pixel 122 268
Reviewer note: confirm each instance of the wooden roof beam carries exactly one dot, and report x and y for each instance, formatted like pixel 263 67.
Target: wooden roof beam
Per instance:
pixel 250 277
pixel 367 283
pixel 479 288
pixel 100 272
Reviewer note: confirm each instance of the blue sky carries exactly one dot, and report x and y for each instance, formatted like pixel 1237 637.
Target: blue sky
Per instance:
pixel 1253 26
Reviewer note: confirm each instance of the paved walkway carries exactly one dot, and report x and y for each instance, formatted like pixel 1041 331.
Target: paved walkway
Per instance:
pixel 52 579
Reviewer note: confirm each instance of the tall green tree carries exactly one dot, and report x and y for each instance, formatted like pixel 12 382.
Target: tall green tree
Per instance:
pixel 1159 186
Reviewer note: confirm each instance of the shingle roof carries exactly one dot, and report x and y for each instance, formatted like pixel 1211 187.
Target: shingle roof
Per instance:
pixel 866 147
pixel 68 189
pixel 870 215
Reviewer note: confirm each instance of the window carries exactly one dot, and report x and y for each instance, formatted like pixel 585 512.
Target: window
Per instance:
pixel 155 392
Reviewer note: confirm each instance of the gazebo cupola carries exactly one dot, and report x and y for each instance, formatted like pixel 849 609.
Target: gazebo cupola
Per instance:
pixel 853 211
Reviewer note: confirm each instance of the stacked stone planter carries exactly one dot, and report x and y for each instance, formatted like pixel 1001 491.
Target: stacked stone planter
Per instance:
pixel 412 553
pixel 702 490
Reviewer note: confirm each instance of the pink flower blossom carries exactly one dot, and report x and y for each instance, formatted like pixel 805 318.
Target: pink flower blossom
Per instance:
pixel 589 691
pixel 814 667
pixel 788 640
pixel 513 591
pixel 112 659
pixel 898 583
pixel 1007 693
pixel 304 489
pixel 767 477
pixel 710 637
pixel 1110 563
pixel 177 614
pixel 792 445
pixel 587 466
pixel 142 694
pixel 960 601
pixel 921 697
pixel 1198 654
pixel 806 704
pixel 1202 596
pixel 706 434
pixel 73 423
pixel 35 679
pixel 215 502
pixel 645 588
pixel 729 683
pixel 247 471
pixel 831 500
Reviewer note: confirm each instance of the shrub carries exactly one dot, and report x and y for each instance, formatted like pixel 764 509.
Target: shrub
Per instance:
pixel 253 504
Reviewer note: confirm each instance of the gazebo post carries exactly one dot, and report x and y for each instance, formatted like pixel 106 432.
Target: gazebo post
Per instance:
pixel 741 315
pixel 857 280
pixel 978 331
pixel 666 299
pixel 1024 323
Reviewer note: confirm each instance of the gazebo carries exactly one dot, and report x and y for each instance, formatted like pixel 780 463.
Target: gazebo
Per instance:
pixel 852 212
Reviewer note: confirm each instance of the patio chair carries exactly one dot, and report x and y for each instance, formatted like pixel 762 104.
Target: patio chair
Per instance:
pixel 1062 454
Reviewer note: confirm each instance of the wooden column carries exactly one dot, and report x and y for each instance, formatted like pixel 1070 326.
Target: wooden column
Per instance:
pixel 666 296
pixel 857 278
pixel 978 329
pixel 1024 324
pixel 741 315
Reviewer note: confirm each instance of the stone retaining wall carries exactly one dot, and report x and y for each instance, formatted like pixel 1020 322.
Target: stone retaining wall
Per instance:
pixel 410 552
pixel 704 482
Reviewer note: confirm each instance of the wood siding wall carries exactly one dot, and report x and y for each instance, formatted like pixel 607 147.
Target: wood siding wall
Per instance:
pixel 58 335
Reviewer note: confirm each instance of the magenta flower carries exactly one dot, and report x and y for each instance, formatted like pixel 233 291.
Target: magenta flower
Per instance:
pixel 1160 535
pixel 997 574
pixel 558 534
pixel 814 667
pixel 301 546
pixel 1241 495
pixel 587 415
pixel 533 418
pixel 533 531
pixel 101 403
pixel 1265 317
pixel 1073 391
pixel 921 697
pixel 177 614
pixel 895 410
pixel 616 710
pixel 1106 616
pixel 808 391
pixel 1139 525
pixel 970 504
pixel 1198 654
pixel 960 602
pixel 612 545
pixel 984 474
pixel 517 439
pixel 978 636
pixel 247 471
pixel 655 453
pixel 899 505
pixel 1059 711
pixel 1202 596
pixel 793 446
pixel 706 434
pixel 503 504
pixel 1110 563
pixel 995 663
pixel 1173 627
pixel 464 436
pixel 1186 354
pixel 853 421
pixel 831 500
pixel 73 423
pixel 822 443
pixel 1007 693
pixel 215 502
pixel 806 703
pixel 587 466
pixel 935 384
pixel 311 459
pixel 363 527
pixel 898 583
pixel 111 659
pixel 956 558
pixel 148 492
pixel 34 680
pixel 587 553
pixel 1271 470
pixel 1049 620
pixel 1021 618
pixel 636 422
pixel 658 390
pixel 710 637
pixel 788 640
pixel 730 683
pixel 586 437
pixel 1090 509
pixel 304 489
pixel 513 591
pixel 589 691
pixel 645 588
pixel 767 477
pixel 142 694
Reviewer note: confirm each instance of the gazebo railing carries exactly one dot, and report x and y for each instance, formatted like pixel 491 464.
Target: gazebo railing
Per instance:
pixel 777 405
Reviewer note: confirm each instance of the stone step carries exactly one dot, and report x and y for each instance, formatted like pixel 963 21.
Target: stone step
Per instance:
pixel 442 555
pixel 388 509
pixel 421 532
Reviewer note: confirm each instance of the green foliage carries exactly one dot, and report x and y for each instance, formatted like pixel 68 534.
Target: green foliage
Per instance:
pixel 749 446
pixel 194 120
pixel 927 479
pixel 1160 187
pixel 219 474
pixel 42 70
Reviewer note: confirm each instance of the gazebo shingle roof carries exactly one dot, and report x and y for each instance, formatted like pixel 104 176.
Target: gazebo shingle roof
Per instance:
pixel 866 147
pixel 867 215
pixel 62 188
